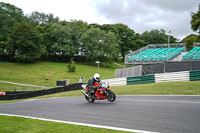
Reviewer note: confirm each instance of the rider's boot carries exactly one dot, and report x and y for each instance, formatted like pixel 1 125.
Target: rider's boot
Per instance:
pixel 91 95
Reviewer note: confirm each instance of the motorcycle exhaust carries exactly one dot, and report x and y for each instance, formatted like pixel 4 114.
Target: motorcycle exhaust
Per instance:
pixel 84 93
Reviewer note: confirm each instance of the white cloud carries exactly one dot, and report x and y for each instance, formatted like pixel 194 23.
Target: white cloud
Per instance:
pixel 143 15
pixel 64 9
pixel 140 15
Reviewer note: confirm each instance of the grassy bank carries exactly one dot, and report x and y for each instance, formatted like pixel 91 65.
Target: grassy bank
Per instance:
pixel 39 73
pixel 24 125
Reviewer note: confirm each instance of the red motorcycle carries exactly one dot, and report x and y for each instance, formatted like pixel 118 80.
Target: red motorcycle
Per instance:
pixel 101 93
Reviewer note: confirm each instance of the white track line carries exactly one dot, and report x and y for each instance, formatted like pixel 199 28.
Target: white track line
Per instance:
pixel 81 124
pixel 162 101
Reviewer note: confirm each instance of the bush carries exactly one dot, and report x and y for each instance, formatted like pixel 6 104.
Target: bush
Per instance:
pixel 72 66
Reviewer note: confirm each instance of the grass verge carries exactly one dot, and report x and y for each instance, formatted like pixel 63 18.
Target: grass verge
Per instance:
pixel 169 88
pixel 13 124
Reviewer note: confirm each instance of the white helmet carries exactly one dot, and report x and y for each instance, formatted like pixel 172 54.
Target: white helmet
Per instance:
pixel 97 76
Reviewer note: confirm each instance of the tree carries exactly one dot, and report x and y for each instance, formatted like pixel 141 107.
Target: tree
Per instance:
pixel 97 44
pixel 9 15
pixel 90 41
pixel 108 47
pixel 24 43
pixel 128 39
pixel 60 40
pixel 2 47
pixel 43 22
pixel 189 40
pixel 78 28
pixel 156 37
pixel 195 21
pixel 42 18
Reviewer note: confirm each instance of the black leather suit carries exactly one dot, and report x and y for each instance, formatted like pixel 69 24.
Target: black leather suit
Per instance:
pixel 90 85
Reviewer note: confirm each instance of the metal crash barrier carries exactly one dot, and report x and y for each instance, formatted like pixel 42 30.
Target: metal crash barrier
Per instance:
pixel 12 95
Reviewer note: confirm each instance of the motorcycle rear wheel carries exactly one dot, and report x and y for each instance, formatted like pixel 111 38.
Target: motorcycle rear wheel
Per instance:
pixel 110 95
pixel 90 100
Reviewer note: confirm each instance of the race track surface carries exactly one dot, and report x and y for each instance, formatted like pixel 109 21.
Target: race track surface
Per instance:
pixel 166 114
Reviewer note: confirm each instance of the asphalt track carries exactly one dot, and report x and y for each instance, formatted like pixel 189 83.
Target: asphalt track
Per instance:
pixel 166 114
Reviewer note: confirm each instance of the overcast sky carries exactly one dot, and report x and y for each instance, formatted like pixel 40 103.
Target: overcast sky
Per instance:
pixel 139 15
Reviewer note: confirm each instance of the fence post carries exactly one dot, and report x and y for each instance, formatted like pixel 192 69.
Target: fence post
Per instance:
pixel 164 67
pixel 190 65
pixel 151 69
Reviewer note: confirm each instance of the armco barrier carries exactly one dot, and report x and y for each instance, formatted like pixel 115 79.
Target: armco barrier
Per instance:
pixel 141 79
pixel 173 76
pixel 194 75
pixel 156 78
pixel 27 94
pixel 116 81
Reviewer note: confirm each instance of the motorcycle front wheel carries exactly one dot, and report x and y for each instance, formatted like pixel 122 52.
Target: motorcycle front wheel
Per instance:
pixel 90 100
pixel 110 95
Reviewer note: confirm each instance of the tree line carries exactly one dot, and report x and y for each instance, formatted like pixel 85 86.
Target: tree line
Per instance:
pixel 38 36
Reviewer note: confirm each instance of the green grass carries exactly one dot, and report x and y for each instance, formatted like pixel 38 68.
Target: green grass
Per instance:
pixel 22 125
pixel 13 87
pixel 10 124
pixel 37 73
pixel 169 88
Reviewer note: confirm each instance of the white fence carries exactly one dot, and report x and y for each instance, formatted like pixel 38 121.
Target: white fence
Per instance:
pixel 161 77
pixel 173 76
pixel 116 81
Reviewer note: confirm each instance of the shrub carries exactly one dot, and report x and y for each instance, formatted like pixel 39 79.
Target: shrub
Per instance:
pixel 71 66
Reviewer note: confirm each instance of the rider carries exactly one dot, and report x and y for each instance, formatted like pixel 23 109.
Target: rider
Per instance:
pixel 91 82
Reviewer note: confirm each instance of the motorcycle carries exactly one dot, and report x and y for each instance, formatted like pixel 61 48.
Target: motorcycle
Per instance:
pixel 103 92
